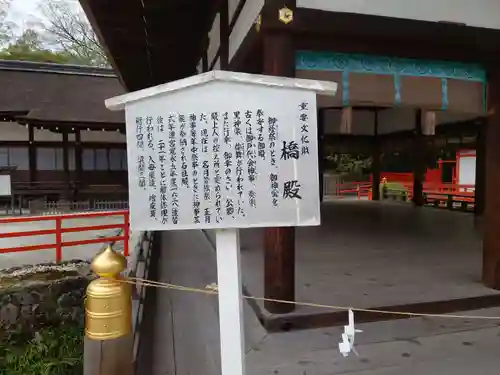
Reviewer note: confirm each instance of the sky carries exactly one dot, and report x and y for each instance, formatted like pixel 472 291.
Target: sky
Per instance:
pixel 20 8
pixel 23 10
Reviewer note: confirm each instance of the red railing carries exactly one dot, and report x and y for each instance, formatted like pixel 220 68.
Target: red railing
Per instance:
pixel 359 189
pixel 58 231
pixel 362 189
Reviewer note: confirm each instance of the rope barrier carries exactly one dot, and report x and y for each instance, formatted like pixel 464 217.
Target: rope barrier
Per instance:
pixel 211 290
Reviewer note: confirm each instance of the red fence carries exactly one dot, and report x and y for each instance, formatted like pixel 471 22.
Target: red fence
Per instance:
pixel 357 189
pixel 58 231
pixel 361 189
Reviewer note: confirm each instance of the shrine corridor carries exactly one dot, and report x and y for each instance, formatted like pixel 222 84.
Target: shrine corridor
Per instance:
pixel 335 263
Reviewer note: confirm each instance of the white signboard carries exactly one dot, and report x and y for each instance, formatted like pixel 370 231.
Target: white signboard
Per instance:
pixel 5 186
pixel 224 150
pixel 224 154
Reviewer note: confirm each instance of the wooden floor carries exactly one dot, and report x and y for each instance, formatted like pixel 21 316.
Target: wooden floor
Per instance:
pixel 182 336
pixel 185 323
pixel 380 254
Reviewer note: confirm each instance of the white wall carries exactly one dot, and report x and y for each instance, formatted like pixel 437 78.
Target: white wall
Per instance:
pixel 478 13
pixel 12 131
pixel 52 158
pixel 101 136
pixel 466 168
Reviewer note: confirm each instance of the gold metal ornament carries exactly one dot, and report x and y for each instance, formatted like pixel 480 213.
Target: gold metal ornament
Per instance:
pixel 286 15
pixel 258 23
pixel 108 303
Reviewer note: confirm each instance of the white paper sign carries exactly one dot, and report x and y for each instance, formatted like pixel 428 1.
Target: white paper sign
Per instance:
pixel 223 155
pixel 5 186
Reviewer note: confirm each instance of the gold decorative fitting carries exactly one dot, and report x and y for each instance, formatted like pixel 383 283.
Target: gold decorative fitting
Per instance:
pixel 258 22
pixel 108 302
pixel 108 263
pixel 286 15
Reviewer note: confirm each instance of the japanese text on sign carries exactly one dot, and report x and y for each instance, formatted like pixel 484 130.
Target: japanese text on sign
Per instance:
pixel 235 167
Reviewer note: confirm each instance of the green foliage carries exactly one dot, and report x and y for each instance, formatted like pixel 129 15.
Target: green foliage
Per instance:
pixel 29 47
pixel 352 164
pixel 395 186
pixel 53 351
pixel 68 29
pixel 394 189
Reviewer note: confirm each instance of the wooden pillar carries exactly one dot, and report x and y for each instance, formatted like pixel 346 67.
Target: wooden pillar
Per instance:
pixel 78 159
pixel 224 35
pixel 65 144
pixel 32 154
pixel 113 357
pixel 376 161
pixel 491 224
pixel 204 62
pixel 418 161
pixel 279 243
pixel 480 169
pixel 321 156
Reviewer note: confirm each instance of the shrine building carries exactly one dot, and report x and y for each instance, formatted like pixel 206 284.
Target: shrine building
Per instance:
pixel 57 139
pixel 406 70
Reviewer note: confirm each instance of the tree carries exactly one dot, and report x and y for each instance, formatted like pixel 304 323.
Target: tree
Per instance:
pixel 69 30
pixel 5 26
pixel 29 47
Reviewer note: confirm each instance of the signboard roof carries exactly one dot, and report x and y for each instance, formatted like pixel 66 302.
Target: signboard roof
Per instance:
pixel 320 87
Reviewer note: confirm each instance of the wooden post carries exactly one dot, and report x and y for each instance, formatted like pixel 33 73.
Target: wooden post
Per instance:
pixel 279 243
pixel 32 153
pixel 376 161
pixel 491 225
pixel 279 268
pixel 204 62
pixel 66 164
pixel 108 357
pixel 480 170
pixel 108 346
pixel 419 161
pixel 321 156
pixel 78 159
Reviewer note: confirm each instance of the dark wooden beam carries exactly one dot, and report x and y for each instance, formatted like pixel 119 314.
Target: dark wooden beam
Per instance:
pixel 479 201
pixel 204 62
pixel 333 31
pixel 279 243
pixel 67 177
pixel 418 161
pixel 376 160
pixel 139 36
pixel 90 9
pixel 321 156
pixel 32 153
pixel 491 225
pixel 78 157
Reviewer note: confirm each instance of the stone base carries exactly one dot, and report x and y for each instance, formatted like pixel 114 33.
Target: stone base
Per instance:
pixel 39 296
